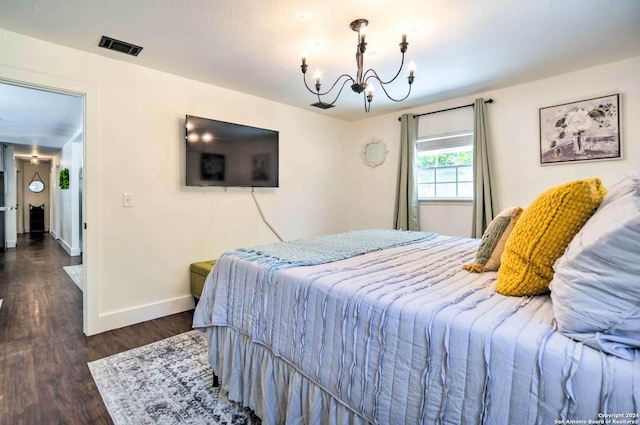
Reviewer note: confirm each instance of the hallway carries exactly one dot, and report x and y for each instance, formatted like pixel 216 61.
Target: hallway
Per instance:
pixel 44 376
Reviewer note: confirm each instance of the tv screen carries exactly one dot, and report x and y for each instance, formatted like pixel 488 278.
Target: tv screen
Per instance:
pixel 225 154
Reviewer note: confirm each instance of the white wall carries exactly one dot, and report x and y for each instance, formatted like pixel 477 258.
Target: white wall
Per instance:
pixel 54 218
pixel 513 127
pixel 373 189
pixel 137 259
pixel 67 201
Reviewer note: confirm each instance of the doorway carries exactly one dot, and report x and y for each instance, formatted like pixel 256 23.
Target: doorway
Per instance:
pixel 44 142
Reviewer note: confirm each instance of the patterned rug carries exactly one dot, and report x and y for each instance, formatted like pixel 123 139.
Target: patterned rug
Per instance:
pixel 166 382
pixel 75 273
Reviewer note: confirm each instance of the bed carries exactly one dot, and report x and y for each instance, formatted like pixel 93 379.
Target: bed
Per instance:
pixel 397 332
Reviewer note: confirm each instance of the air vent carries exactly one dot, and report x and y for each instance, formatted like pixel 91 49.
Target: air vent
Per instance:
pixel 322 105
pixel 119 46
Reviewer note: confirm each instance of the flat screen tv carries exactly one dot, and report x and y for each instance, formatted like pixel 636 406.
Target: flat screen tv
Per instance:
pixel 230 155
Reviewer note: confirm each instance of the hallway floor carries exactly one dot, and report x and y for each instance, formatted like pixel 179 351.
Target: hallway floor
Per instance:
pixel 44 378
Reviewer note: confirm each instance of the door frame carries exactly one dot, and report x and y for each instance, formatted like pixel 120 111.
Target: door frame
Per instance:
pixel 90 93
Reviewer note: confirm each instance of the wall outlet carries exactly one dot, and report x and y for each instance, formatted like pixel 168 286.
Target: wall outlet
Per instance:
pixel 127 199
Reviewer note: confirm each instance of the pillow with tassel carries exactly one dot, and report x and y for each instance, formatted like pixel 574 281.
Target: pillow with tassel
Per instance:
pixel 493 241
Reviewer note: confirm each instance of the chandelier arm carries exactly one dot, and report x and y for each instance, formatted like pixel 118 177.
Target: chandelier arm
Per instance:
pixel 373 71
pixel 304 78
pixel 385 90
pixel 337 96
pixel 349 78
pixel 367 105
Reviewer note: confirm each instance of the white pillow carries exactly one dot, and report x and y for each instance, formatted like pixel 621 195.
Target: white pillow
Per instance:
pixel 596 285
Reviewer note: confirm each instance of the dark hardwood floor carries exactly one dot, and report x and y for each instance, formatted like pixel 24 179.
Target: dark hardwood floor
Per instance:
pixel 44 378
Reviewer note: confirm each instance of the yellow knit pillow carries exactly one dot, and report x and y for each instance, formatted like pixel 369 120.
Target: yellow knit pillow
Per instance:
pixel 542 234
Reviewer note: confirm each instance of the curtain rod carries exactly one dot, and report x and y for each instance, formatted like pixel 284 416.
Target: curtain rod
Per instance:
pixel 448 109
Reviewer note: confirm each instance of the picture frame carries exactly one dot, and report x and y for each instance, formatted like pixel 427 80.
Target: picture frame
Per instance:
pixel 585 130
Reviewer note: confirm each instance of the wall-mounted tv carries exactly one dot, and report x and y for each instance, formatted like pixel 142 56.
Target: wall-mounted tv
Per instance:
pixel 224 154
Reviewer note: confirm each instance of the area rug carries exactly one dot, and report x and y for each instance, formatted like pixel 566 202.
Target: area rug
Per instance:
pixel 75 273
pixel 166 382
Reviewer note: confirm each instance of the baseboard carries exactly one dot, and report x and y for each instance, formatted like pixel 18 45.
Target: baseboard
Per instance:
pixel 12 243
pixel 143 313
pixel 71 251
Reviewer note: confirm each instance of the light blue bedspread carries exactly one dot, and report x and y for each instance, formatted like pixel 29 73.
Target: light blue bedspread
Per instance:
pixel 325 249
pixel 401 336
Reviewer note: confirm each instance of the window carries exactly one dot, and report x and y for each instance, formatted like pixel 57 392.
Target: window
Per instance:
pixel 445 167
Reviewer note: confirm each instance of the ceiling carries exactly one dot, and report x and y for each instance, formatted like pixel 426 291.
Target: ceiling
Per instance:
pixel 38 121
pixel 460 47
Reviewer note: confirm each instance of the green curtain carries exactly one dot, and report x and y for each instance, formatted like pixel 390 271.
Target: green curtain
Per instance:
pixel 483 204
pixel 407 210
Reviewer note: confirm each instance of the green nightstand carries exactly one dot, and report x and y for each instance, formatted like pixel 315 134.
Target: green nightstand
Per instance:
pixel 199 272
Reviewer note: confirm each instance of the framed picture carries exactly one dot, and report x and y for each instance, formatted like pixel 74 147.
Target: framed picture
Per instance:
pixel 581 131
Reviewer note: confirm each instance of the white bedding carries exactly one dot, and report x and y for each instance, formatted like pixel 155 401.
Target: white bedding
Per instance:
pixel 401 336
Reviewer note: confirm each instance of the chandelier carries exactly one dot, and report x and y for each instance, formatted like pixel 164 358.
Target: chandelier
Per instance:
pixel 362 83
pixel 34 160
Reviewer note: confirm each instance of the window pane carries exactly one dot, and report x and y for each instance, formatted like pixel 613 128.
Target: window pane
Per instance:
pixel 446 190
pixel 447 158
pixel 426 191
pixel 426 175
pixel 445 175
pixel 465 190
pixel 466 157
pixel 427 159
pixel 445 166
pixel 465 174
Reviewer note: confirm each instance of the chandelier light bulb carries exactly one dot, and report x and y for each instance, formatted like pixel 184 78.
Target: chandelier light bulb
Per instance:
pixel 363 32
pixel 370 89
pixel 412 69
pixel 317 77
pixel 369 95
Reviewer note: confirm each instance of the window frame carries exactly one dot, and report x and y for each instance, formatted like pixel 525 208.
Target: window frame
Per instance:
pixel 439 142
